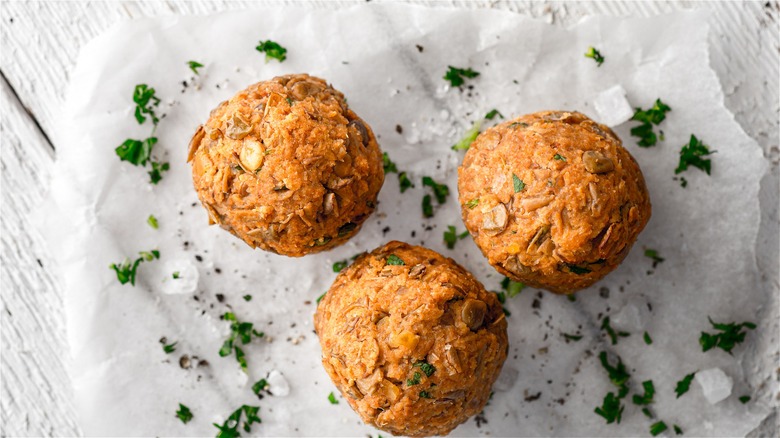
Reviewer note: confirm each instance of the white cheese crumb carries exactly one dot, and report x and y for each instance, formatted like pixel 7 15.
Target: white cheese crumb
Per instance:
pixel 612 106
pixel 277 384
pixel 715 384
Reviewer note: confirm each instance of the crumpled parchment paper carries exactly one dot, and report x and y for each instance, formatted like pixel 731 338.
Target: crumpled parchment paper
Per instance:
pixel 126 385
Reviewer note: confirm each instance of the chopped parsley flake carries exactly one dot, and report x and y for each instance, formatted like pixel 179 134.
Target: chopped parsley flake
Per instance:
pixel 404 182
pixel 574 338
pixel 272 50
pixel 127 270
pixel 678 430
pixel 473 203
pixel 145 103
pixel 492 114
pixel 559 157
pixel 394 260
pixel 684 384
pixel 155 175
pixel 617 374
pixel 455 75
pixel 610 409
pixel 518 184
pixel 657 428
pixel 229 429
pixel 427 206
pixel 152 221
pixel 691 155
pixel 169 348
pixel 415 380
pixel 647 398
pixel 653 116
pixel 332 399
pixel 451 236
pixel 648 339
pixel 653 255
pixel 613 335
pixel 247 298
pixel 594 54
pixel 744 399
pixel 441 191
pixel 319 298
pixel 260 386
pixel 424 394
pixel 468 138
pixel 184 414
pixel 238 330
pixel 512 287
pixel 730 335
pixel 426 368
pixel 388 164
pixel 340 265
pixel 194 66
pixel 176 275
pixel 136 152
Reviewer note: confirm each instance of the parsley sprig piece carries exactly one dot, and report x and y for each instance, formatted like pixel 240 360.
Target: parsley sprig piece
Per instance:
pixel 594 54
pixel 468 138
pixel 684 384
pixel 653 116
pixel 647 338
pixel 441 191
pixel 613 335
pixel 730 335
pixel 617 374
pixel 388 164
pixel 451 236
pixel 653 255
pixel 145 103
pixel 647 397
pixel 492 114
pixel 194 66
pixel 332 399
pixel 692 154
pixel 390 167
pixel 136 152
pixel 260 386
pixel 238 330
pixel 512 287
pixel 456 75
pixel 657 428
pixel 473 203
pixel 152 221
pixel 415 380
pixel 404 182
pixel 272 50
pixel 229 429
pixel 340 265
pixel 169 348
pixel 184 414
pixel 127 270
pixel 394 260
pixel 611 408
pixel 517 183
pixel 425 367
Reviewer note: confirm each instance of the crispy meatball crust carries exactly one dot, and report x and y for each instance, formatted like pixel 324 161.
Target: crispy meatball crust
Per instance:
pixel 552 199
pixel 379 321
pixel 286 166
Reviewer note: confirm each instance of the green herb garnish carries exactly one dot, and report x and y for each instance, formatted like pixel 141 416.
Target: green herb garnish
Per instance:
pixel 653 116
pixel 455 75
pixel 595 55
pixel 319 298
pixel 415 380
pixel 404 182
pixel 247 298
pixel 492 114
pixel 152 221
pixel 468 138
pixel 194 66
pixel 126 271
pixel 145 103
pixel 441 191
pixel 653 255
pixel 394 260
pixel 229 429
pixel 647 338
pixel 155 175
pixel 427 206
pixel 137 152
pixel 610 409
pixel 559 157
pixel 176 275
pixel 169 348
pixel 684 384
pixel 647 398
pixel 657 428
pixel 730 335
pixel 473 203
pixel 426 368
pixel 744 399
pixel 332 399
pixel 518 184
pixel 184 414
pixel 512 287
pixel 691 155
pixel 574 338
pixel 424 394
pixel 260 386
pixel 272 50
pixel 613 335
pixel 340 265
pixel 451 236
pixel 238 330
pixel 678 430
pixel 617 374
pixel 388 164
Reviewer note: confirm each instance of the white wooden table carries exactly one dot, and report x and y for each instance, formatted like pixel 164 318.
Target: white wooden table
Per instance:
pixel 40 42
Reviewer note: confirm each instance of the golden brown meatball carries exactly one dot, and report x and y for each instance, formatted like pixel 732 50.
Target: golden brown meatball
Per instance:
pixel 552 199
pixel 411 339
pixel 286 166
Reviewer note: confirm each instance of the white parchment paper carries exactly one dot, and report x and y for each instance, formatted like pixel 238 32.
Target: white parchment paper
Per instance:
pixel 126 385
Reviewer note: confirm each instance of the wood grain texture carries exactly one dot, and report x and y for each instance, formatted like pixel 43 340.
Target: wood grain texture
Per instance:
pixel 40 42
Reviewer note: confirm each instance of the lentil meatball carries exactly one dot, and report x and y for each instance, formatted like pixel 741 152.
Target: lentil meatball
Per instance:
pixel 286 166
pixel 411 339
pixel 552 199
